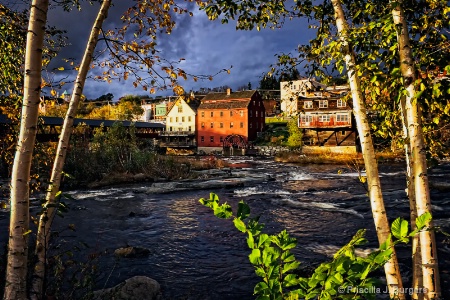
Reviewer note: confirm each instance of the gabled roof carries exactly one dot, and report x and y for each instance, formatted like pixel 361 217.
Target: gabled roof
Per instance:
pixel 224 101
pixel 232 96
pixel 192 103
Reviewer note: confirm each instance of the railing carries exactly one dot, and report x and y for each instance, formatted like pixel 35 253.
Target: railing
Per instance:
pixel 176 133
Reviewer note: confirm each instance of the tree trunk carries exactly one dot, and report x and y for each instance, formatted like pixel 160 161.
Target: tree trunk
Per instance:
pixel 47 217
pixel 393 278
pixel 416 259
pixel 16 270
pixel 430 270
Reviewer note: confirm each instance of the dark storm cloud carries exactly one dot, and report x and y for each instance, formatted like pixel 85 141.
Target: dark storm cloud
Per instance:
pixel 207 47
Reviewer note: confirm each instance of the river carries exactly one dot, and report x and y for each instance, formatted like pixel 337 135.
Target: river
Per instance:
pixel 194 255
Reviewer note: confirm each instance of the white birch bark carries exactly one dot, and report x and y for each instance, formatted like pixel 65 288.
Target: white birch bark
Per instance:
pixel 47 217
pixel 393 278
pixel 17 259
pixel 430 270
pixel 416 258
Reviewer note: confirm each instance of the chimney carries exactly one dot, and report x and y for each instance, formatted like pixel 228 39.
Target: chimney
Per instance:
pixel 228 92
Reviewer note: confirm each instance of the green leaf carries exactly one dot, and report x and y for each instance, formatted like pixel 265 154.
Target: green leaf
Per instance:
pixel 263 238
pixel 423 220
pixel 250 241
pixel 223 211
pixel 255 256
pixel 239 225
pixel 260 287
pixel 399 228
pixel 243 210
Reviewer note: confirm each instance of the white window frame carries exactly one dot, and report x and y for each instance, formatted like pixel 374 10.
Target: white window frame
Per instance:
pixel 308 104
pixel 306 118
pixel 324 118
pixel 342 118
pixel 323 103
pixel 341 103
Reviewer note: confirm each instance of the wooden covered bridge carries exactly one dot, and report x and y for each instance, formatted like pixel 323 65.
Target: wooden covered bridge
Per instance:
pixel 49 128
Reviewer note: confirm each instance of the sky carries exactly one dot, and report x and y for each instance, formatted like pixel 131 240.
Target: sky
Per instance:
pixel 207 47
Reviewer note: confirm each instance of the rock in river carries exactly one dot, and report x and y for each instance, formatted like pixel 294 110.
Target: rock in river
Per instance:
pixel 134 288
pixel 132 252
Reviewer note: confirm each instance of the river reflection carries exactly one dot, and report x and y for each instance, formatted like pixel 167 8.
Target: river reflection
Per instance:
pixel 194 255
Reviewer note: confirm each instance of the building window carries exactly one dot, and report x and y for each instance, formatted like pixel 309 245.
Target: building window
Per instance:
pixel 295 87
pixel 341 118
pixel 221 139
pixel 231 124
pixel 203 124
pixel 170 128
pixel 182 119
pixel 212 125
pixel 242 124
pixel 189 118
pixel 250 125
pixel 257 125
pixel 176 119
pixel 202 139
pixel 211 139
pixel 343 132
pixel 221 125
pixel 212 114
pixel 231 113
pixel 221 113
pixel 180 108
pixel 306 118
pixel 256 114
pixel 241 113
pixel 171 119
pixel 308 104
pixel 250 113
pixel 203 114
pixel 190 128
pixel 341 103
pixel 324 118
pixel 323 103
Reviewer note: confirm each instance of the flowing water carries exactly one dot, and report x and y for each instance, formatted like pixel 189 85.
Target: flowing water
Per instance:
pixel 194 255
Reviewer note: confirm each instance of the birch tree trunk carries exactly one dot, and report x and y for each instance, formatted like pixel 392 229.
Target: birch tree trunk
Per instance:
pixel 51 204
pixel 416 259
pixel 16 270
pixel 430 270
pixel 393 278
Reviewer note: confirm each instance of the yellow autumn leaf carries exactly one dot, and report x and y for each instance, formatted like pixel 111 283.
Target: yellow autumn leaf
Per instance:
pixel 53 93
pixel 152 91
pixel 61 69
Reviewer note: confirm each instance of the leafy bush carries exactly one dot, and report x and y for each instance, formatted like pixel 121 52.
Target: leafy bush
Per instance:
pixel 345 277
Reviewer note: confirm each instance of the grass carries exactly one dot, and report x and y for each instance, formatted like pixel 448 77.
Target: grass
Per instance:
pixel 334 158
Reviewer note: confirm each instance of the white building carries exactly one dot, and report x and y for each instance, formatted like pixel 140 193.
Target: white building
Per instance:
pixel 292 90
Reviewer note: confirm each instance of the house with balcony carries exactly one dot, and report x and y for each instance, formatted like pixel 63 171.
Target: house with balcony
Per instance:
pixel 230 119
pixel 326 117
pixel 291 91
pixel 180 124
